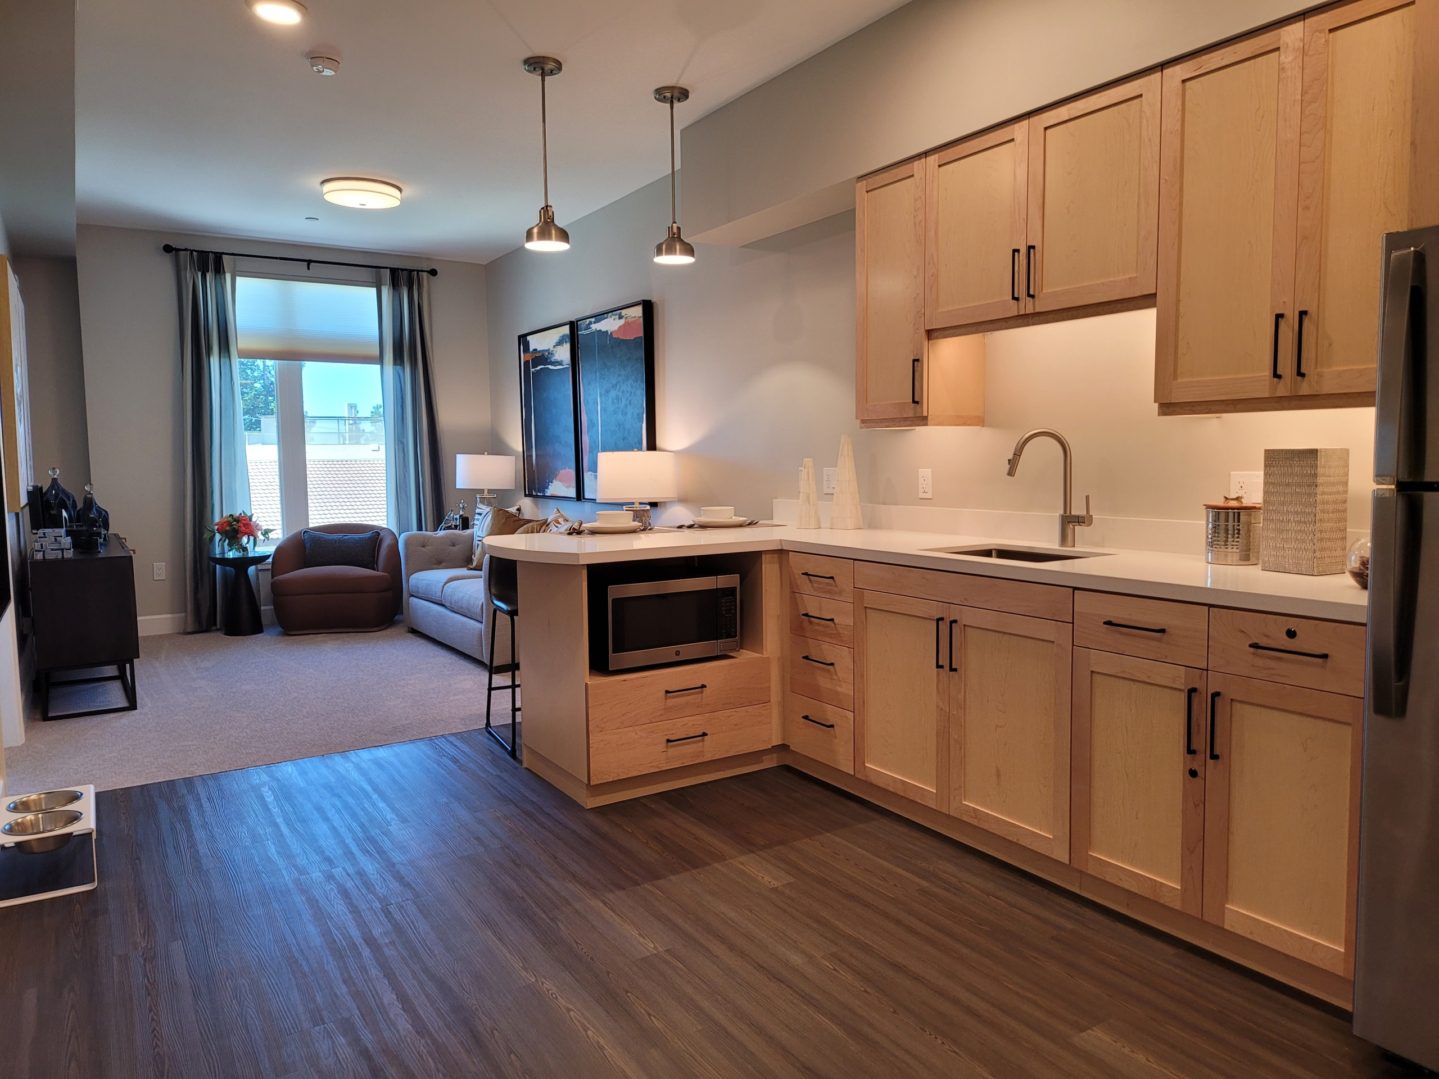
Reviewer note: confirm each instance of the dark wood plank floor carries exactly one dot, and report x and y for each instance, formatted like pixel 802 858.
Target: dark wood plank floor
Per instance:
pixel 431 909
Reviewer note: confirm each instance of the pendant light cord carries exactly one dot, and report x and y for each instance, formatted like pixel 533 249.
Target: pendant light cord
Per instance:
pixel 544 139
pixel 674 217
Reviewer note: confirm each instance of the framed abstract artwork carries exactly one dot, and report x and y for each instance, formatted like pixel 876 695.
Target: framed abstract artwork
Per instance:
pixel 615 362
pixel 548 413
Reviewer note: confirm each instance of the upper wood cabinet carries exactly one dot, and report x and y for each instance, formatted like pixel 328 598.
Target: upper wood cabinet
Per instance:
pixel 1286 157
pixel 890 338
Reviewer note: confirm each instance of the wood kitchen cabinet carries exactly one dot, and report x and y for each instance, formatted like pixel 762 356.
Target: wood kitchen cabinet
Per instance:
pixel 1281 837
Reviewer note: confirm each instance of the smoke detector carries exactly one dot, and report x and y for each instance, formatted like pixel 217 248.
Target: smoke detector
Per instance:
pixel 323 63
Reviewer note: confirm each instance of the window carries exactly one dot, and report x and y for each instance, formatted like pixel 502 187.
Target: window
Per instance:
pixel 311 401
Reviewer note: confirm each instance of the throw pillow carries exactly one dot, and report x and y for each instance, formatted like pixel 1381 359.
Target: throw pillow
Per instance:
pixel 557 522
pixel 531 528
pixel 360 549
pixel 497 522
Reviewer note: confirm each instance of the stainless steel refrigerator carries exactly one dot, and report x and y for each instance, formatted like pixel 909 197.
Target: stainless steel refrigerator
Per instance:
pixel 1396 978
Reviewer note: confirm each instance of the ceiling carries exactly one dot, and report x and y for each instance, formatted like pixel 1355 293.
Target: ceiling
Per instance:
pixel 197 117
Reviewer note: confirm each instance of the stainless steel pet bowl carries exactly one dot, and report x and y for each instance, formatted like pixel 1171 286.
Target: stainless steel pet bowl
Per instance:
pixel 43 801
pixel 40 825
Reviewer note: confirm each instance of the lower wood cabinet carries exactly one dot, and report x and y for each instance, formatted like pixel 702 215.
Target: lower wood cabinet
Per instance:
pixel 820 731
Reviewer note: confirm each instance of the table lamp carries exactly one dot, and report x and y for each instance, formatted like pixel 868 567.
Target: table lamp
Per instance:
pixel 637 477
pixel 480 472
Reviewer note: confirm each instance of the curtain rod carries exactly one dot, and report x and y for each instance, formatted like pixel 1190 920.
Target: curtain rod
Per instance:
pixel 170 249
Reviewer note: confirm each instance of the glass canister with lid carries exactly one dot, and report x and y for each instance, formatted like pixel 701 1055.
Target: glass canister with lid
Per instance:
pixel 1231 532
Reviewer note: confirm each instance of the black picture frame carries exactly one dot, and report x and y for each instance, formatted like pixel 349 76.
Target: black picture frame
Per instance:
pixel 614 385
pixel 549 413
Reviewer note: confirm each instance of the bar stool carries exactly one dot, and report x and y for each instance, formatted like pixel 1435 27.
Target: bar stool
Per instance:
pixel 502 580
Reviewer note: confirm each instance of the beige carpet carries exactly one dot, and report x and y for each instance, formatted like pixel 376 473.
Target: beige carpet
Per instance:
pixel 211 703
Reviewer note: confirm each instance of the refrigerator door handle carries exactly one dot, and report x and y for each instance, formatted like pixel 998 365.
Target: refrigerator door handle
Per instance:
pixel 1397 533
pixel 1397 345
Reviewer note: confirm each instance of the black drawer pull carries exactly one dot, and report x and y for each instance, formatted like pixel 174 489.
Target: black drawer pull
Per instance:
pixel 1214 724
pixel 1189 749
pixel 687 689
pixel 1299 345
pixel 817 722
pixel 1287 651
pixel 914 382
pixel 1029 271
pixel 1278 319
pixel 819 662
pixel 1014 274
pixel 1112 624
pixel 952 623
pixel 815 617
pixel 938 663
pixel 818 576
pixel 687 738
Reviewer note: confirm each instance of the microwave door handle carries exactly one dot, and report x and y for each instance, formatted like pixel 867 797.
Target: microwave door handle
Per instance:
pixel 1398 531
pixel 1397 345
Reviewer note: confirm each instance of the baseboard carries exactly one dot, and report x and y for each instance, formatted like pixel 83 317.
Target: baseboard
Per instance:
pixel 156 625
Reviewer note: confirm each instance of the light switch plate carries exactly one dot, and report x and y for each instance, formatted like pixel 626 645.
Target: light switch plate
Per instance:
pixel 1247 485
pixel 831 480
pixel 926 483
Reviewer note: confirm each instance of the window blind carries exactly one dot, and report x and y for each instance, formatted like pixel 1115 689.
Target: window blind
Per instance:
pixel 277 319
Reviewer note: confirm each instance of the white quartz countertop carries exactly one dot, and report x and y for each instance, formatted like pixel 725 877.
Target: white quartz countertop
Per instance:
pixel 1185 577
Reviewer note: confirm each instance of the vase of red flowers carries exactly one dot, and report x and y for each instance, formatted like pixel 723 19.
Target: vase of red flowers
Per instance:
pixel 237 532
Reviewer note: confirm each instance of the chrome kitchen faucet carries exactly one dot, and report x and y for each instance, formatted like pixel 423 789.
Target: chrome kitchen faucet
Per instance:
pixel 1068 519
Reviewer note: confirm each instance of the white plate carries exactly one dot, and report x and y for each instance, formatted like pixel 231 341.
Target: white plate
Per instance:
pixel 612 530
pixel 714 522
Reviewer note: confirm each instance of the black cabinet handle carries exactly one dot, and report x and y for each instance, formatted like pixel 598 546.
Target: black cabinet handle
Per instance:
pixel 1189 749
pixel 1299 344
pixel 1014 274
pixel 1112 624
pixel 1029 271
pixel 1287 651
pixel 1213 724
pixel 1278 318
pixel 817 722
pixel 938 663
pixel 818 662
pixel 687 738
pixel 914 381
pixel 815 617
pixel 817 576
pixel 952 623
pixel 687 689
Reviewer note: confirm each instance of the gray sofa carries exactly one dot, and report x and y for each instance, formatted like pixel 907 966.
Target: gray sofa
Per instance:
pixel 445 599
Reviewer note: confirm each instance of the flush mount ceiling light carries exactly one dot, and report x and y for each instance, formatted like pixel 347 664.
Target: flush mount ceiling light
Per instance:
pixel 674 249
pixel 279 12
pixel 360 193
pixel 545 235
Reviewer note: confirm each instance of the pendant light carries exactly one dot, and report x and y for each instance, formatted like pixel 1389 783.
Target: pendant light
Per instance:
pixel 545 235
pixel 674 249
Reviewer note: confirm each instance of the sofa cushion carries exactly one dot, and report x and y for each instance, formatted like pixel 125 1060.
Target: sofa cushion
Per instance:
pixel 429 583
pixel 340 549
pixel 466 597
pixel 496 522
pixel 330 580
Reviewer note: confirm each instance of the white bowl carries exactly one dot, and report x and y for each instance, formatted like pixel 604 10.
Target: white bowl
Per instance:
pixel 716 513
pixel 614 517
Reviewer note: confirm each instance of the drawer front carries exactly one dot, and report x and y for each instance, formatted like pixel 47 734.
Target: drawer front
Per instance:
pixel 821 619
pixel 968 590
pixel 823 672
pixel 629 700
pixel 1295 651
pixel 673 743
pixel 820 731
pixel 1147 628
pixel 817 575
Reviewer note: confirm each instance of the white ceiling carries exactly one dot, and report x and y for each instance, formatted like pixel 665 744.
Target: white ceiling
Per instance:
pixel 193 115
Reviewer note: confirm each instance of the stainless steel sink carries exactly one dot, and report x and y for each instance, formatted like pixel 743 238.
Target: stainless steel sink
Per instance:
pixel 1017 554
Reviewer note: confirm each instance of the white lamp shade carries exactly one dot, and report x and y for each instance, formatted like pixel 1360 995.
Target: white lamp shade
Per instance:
pixel 484 472
pixel 637 476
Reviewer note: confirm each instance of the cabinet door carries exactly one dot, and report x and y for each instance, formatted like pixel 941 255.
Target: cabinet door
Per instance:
pixel 1138 776
pixel 1227 221
pixel 1281 822
pixel 901 699
pixel 1009 730
pixel 1353 185
pixel 975 229
pixel 1094 198
pixel 889 264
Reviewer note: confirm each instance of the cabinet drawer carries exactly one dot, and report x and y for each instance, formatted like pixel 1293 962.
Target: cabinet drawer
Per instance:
pixel 968 590
pixel 1295 651
pixel 823 672
pixel 817 575
pixel 622 752
pixel 821 619
pixel 1147 628
pixel 628 700
pixel 820 731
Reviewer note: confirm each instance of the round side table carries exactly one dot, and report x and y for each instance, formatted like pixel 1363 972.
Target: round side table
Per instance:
pixel 242 609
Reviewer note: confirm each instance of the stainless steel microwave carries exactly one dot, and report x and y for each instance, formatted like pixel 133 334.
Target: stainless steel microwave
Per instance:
pixel 653 622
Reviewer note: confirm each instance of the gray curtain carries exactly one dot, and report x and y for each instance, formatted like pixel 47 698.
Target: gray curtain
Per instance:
pixel 217 478
pixel 412 448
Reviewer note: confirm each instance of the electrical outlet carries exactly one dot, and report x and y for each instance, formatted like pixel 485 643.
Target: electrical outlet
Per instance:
pixel 158 570
pixel 1247 485
pixel 831 480
pixel 926 483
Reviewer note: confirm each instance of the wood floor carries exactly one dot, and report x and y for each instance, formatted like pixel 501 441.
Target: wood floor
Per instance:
pixel 431 909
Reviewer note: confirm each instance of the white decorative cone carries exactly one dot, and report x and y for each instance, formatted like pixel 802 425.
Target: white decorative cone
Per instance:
pixel 846 512
pixel 808 496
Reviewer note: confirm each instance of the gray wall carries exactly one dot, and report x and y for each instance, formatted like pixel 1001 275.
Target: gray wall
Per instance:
pixel 57 369
pixel 128 311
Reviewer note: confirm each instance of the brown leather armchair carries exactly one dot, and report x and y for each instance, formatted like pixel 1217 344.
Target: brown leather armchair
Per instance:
pixel 325 599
